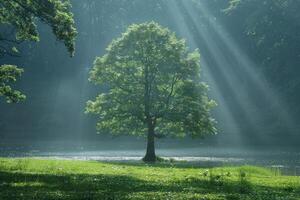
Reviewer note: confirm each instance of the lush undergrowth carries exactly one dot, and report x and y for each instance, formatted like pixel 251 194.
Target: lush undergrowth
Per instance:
pixel 53 179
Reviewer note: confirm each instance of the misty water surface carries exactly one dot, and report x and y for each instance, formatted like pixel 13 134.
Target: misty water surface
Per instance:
pixel 286 160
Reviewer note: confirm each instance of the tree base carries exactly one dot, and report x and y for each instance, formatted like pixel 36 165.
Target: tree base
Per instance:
pixel 150 159
pixel 154 159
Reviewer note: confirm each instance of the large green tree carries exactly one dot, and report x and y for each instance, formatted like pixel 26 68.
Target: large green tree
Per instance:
pixel 154 87
pixel 18 24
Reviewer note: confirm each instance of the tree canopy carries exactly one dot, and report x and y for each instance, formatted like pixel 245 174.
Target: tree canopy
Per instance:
pixel 8 74
pixel 154 86
pixel 22 15
pixel 18 17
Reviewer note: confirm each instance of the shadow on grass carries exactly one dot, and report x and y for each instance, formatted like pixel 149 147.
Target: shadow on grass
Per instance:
pixel 171 164
pixel 73 186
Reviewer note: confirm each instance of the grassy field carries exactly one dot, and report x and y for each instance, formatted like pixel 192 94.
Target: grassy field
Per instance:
pixel 54 179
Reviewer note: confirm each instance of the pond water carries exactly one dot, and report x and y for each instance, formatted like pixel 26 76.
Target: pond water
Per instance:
pixel 287 161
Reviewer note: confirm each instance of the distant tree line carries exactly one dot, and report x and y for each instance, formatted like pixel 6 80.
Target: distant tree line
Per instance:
pixel 269 31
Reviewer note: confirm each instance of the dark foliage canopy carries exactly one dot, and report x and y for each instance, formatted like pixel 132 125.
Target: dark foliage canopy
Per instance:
pixel 153 82
pixel 18 19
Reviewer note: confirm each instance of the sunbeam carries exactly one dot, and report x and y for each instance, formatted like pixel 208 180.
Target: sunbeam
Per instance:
pixel 231 76
pixel 228 120
pixel 234 90
pixel 244 63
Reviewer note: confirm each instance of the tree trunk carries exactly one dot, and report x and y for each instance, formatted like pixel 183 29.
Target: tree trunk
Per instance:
pixel 150 154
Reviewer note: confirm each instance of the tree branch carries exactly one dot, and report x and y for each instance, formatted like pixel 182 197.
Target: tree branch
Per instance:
pixel 175 79
pixel 32 11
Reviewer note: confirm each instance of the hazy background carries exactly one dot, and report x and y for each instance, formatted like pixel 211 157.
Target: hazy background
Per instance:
pixel 257 102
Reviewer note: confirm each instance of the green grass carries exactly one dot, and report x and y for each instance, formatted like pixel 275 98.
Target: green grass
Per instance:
pixel 52 179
